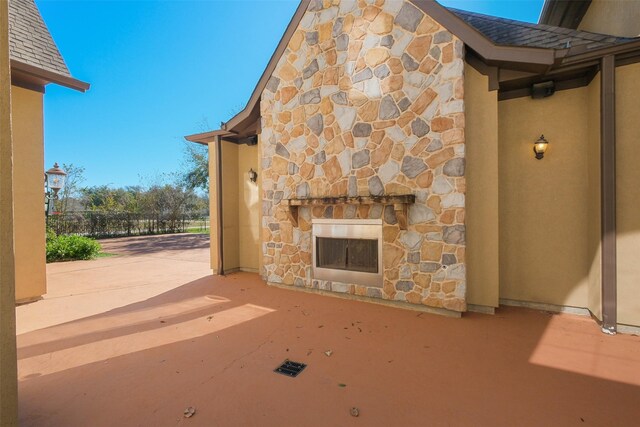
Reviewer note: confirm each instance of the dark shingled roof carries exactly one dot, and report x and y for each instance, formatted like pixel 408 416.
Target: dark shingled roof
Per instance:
pixel 502 31
pixel 29 39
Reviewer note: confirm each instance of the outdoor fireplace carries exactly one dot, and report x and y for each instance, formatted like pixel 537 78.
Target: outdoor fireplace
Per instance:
pixel 348 251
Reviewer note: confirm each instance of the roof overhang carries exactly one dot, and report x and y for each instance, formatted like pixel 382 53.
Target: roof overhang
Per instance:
pixel 207 137
pixel 514 56
pixel 28 75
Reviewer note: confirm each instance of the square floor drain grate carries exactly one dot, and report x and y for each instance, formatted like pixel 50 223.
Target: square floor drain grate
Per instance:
pixel 290 369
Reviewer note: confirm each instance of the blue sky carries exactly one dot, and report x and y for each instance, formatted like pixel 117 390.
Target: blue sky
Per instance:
pixel 160 70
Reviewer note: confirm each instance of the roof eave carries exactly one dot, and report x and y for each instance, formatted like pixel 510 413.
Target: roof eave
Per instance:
pixel 206 137
pixel 577 55
pixel 477 41
pixel 49 76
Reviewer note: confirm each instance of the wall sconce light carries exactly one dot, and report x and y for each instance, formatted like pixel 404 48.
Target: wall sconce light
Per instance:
pixel 253 175
pixel 540 146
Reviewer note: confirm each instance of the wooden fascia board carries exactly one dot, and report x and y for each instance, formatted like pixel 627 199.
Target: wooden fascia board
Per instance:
pixel 576 56
pixel 207 137
pixel 480 43
pixel 266 75
pixel 49 76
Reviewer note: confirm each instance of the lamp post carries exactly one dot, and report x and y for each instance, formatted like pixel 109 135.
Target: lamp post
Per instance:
pixel 54 182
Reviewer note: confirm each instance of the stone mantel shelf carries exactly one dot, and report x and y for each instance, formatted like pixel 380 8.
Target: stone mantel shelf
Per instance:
pixel 400 204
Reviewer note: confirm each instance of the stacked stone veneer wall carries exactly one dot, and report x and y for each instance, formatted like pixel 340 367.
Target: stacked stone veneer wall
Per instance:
pixel 368 99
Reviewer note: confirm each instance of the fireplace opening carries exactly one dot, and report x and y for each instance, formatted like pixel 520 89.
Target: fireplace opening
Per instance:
pixel 347 254
pixel 348 251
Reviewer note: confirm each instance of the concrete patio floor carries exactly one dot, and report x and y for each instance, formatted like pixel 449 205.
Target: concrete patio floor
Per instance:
pixel 133 340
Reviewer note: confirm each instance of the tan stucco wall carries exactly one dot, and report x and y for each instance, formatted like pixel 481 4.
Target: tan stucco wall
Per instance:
pixel 29 222
pixel 248 209
pixel 628 192
pixel 543 217
pixel 8 369
pixel 481 132
pixel 240 208
pixel 616 17
pixel 230 197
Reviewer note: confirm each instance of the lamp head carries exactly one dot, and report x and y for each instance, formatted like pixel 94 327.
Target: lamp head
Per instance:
pixel 540 147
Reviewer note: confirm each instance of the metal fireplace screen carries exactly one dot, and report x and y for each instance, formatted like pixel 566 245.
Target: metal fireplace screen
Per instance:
pixel 347 254
pixel 348 251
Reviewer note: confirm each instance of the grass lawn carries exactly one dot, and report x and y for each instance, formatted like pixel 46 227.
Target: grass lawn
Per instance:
pixel 105 255
pixel 197 230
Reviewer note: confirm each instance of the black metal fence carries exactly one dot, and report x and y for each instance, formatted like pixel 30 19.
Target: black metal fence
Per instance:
pixel 119 224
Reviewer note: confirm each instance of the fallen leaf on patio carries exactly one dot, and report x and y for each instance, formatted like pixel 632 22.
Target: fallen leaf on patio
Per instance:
pixel 309 352
pixel 342 385
pixel 162 321
pixel 189 412
pixel 328 353
pixel 209 318
pixel 355 412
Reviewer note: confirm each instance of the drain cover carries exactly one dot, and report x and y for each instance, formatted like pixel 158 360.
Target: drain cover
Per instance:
pixel 290 369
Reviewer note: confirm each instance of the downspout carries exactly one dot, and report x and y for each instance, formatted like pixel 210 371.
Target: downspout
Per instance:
pixel 219 225
pixel 608 192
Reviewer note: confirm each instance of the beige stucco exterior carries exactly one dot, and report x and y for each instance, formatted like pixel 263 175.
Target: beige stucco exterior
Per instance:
pixel 241 209
pixel 544 220
pixel 628 192
pixel 248 209
pixel 28 155
pixel 529 210
pixel 8 365
pixel 482 255
pixel 616 17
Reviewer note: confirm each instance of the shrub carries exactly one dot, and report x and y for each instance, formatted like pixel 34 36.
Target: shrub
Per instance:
pixel 69 248
pixel 50 234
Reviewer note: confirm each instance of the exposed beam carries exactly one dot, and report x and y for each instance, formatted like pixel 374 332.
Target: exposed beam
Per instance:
pixel 608 192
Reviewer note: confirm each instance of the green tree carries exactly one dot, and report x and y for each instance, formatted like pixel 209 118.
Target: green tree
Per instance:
pixel 196 166
pixel 70 194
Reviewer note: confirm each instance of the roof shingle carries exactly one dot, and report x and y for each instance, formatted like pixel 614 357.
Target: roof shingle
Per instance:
pixel 509 32
pixel 29 39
